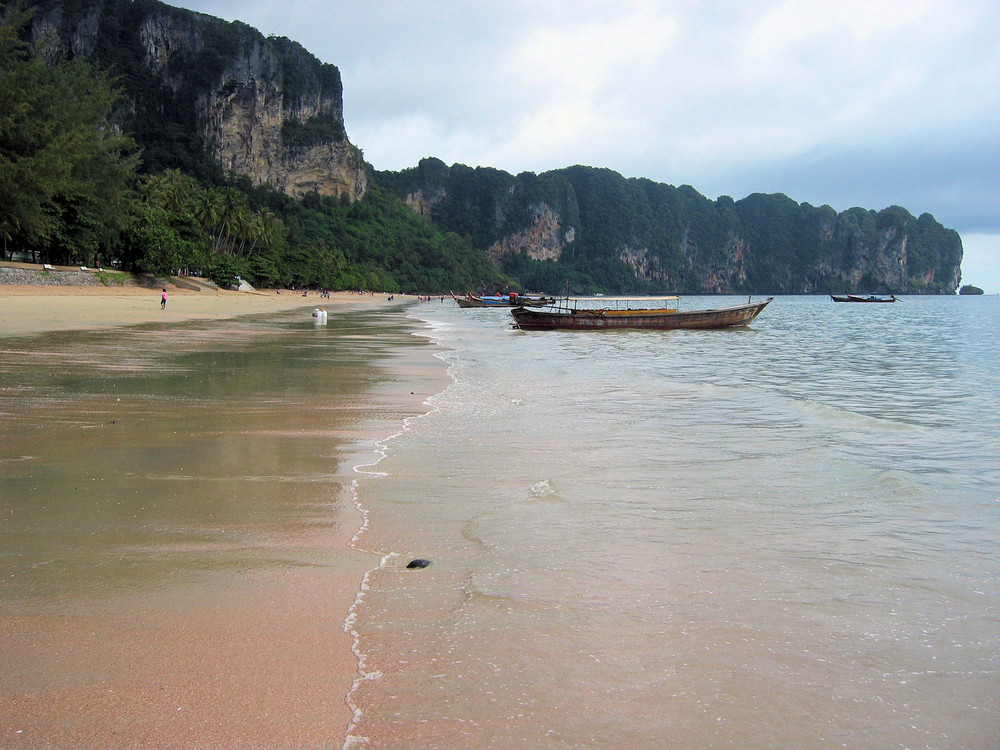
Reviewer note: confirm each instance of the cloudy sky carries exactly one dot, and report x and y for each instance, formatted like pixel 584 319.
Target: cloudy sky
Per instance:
pixel 865 103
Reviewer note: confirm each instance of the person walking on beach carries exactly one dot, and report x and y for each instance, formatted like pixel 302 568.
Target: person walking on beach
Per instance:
pixel 163 300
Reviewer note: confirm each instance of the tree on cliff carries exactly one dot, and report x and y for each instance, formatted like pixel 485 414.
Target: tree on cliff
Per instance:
pixel 64 175
pixel 608 233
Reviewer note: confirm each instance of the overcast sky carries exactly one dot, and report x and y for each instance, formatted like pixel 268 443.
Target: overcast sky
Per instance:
pixel 866 103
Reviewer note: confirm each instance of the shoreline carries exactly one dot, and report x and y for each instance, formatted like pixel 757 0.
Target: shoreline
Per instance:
pixel 252 655
pixel 27 310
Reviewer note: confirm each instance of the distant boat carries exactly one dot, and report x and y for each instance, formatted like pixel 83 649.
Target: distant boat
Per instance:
pixel 633 313
pixel 503 300
pixel 863 297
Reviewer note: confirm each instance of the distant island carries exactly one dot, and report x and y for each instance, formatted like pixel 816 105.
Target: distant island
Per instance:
pixel 155 139
pixel 969 289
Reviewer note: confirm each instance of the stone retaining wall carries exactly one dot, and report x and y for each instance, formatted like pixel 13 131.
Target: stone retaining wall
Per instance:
pixel 55 277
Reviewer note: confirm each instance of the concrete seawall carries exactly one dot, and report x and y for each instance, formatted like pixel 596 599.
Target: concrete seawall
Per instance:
pixel 34 275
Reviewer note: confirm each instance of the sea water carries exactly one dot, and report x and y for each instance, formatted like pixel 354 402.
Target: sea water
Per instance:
pixel 783 536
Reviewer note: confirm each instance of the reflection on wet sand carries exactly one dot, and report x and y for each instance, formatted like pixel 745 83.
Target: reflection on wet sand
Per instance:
pixel 176 512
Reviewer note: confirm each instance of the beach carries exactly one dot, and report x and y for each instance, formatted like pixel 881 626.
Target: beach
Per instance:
pixel 177 518
pixel 693 539
pixel 28 310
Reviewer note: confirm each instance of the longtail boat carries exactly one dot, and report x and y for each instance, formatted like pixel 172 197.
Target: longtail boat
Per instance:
pixel 503 300
pixel 863 297
pixel 578 314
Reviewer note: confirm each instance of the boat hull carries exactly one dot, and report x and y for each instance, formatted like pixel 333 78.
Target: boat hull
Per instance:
pixel 462 302
pixel 473 301
pixel 862 298
pixel 737 316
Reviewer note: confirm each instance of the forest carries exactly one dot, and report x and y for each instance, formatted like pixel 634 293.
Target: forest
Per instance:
pixel 75 191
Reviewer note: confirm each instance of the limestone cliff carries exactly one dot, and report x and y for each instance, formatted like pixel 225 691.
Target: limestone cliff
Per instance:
pixel 544 238
pixel 614 234
pixel 263 108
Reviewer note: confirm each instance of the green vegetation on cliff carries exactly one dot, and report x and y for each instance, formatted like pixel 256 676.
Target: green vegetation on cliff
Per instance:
pixel 635 235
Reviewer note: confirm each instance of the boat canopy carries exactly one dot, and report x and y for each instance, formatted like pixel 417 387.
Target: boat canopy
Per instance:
pixel 655 298
pixel 661 302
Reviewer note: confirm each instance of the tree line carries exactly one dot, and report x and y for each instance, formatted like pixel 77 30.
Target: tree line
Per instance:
pixel 76 190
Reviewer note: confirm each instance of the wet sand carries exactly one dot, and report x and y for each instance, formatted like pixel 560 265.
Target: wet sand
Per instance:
pixel 213 616
pixel 237 663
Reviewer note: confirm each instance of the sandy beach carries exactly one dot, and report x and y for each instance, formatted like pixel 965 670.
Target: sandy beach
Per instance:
pixel 27 310
pixel 228 631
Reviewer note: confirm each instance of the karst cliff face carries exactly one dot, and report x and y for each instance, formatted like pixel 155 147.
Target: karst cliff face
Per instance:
pixel 676 239
pixel 261 107
pixel 544 238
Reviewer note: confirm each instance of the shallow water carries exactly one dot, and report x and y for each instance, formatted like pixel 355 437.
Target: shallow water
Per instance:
pixel 776 537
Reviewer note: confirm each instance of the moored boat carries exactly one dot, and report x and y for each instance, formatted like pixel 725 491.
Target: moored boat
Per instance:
pixel 634 313
pixel 470 300
pixel 503 300
pixel 863 297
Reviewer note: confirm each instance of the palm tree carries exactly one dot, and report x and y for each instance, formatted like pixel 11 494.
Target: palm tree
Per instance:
pixel 266 227
pixel 173 190
pixel 206 209
pixel 232 218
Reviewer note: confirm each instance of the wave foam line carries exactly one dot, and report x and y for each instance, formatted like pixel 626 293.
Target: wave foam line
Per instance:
pixel 381 450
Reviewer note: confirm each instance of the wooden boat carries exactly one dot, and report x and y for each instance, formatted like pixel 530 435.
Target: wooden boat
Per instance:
pixel 633 313
pixel 863 297
pixel 503 300
pixel 473 301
